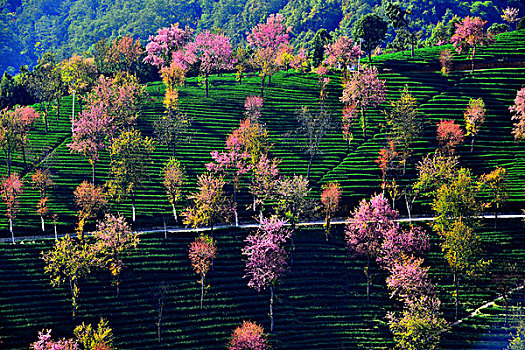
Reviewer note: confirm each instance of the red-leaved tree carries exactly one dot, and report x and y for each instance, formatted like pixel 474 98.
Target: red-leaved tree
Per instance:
pixel 202 251
pixel 266 256
pixel 248 336
pixel 330 197
pixel 449 135
pixel 90 201
pixel 42 181
pixel 10 190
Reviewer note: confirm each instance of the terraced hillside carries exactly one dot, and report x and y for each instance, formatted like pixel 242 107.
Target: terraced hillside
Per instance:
pixel 320 304
pixel 356 170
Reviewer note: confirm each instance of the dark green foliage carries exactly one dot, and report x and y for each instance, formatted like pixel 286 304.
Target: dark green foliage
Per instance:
pixel 521 23
pixel 498 28
pixel 320 40
pixel 372 29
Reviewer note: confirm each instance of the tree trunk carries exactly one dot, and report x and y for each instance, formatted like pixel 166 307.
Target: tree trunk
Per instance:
pixel 472 143
pixel 133 206
pixel 473 57
pixel 58 108
pixel 165 231
pixel 24 155
pixel 56 235
pixel 408 208
pixel 368 280
pixel 327 225
pixel 236 214
pixel 271 308
pixel 506 308
pixel 11 229
pixel 309 167
pixel 206 83
pixel 269 80
pixel 73 114
pixel 8 161
pixel 159 323
pixel 174 213
pixel 73 287
pixel 262 85
pixel 46 110
pixel 456 286
pixel 93 171
pixel 363 123
pixel 118 285
pixel 369 56
pixel 43 224
pixel 202 289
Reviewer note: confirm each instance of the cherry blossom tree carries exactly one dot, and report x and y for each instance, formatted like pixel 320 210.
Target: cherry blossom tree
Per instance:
pixel 248 336
pixel 469 35
pixel 386 162
pixel 366 228
pixel 90 133
pixel 342 52
pixel 449 135
pixel 68 262
pixel 14 129
pixel 202 251
pixel 510 15
pixel 364 89
pixel 210 204
pixel 445 58
pixel 250 138
pixel 161 47
pixel 45 342
pixel 42 181
pixel 253 107
pixel 518 109
pixel 349 118
pixel 212 53
pixel 90 201
pixel 10 190
pixel 330 197
pixel 408 279
pixel 292 202
pixel 267 39
pixel 399 242
pixel 113 239
pixel 173 181
pixel 474 117
pixel 266 256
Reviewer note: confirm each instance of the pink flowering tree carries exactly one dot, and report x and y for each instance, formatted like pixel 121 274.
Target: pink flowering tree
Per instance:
pixel 518 111
pixel 408 278
pixel 266 257
pixel 510 15
pixel 474 117
pixel 211 52
pixel 363 90
pixel 113 240
pixel 267 39
pixel 45 342
pixel 330 197
pixel 14 128
pixel 173 181
pixel 449 135
pixel 350 114
pixel 366 228
pixel 248 336
pixel 10 190
pixel 253 107
pixel 162 47
pixel 399 242
pixel 469 35
pixel 343 52
pixel 263 187
pixel 202 251
pixel 323 82
pixel 91 131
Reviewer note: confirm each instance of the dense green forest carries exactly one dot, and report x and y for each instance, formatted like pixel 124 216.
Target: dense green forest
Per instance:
pixel 29 28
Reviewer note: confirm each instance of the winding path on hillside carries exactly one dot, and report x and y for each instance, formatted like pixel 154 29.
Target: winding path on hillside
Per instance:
pixel 174 230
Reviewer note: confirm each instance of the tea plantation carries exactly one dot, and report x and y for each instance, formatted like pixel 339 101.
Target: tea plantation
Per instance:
pixel 321 302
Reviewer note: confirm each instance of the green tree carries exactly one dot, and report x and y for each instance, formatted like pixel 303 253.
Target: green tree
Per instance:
pixel 404 26
pixel 372 29
pixel 130 157
pixel 320 40
pixel 463 252
pixel 69 262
